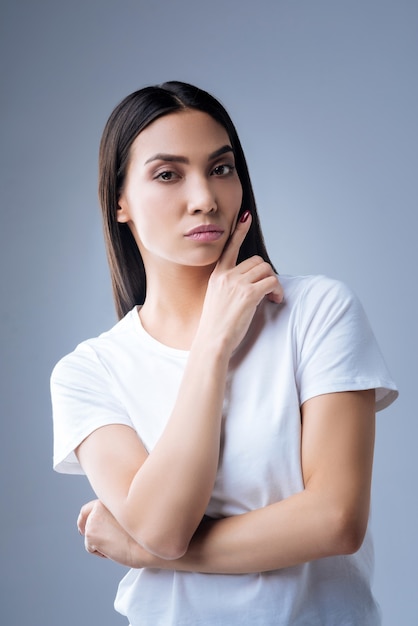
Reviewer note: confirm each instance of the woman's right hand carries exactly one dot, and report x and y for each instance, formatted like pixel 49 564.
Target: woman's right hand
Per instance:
pixel 235 291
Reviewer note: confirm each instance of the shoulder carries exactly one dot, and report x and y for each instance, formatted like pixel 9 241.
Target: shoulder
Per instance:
pixel 312 305
pixel 315 295
pixel 313 286
pixel 317 307
pixel 91 354
pixel 86 393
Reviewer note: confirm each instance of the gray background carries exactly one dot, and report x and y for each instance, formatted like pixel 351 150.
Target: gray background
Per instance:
pixel 324 95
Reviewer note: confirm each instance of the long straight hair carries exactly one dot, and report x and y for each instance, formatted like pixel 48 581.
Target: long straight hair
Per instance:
pixel 125 123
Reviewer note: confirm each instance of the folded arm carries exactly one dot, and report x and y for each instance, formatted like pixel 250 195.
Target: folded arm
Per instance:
pixel 328 517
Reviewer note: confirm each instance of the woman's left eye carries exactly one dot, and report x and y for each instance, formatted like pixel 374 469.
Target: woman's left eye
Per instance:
pixel 223 170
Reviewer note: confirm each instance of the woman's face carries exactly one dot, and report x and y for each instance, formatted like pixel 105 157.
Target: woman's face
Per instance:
pixel 182 194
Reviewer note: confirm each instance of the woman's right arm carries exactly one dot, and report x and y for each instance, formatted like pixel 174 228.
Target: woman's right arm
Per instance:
pixel 159 499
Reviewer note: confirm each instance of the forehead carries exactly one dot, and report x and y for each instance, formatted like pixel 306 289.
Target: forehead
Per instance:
pixel 180 133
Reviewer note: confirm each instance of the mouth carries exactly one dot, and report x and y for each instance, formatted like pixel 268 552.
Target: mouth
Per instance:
pixel 205 233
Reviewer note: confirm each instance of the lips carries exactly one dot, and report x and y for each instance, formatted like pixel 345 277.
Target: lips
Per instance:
pixel 205 233
pixel 204 228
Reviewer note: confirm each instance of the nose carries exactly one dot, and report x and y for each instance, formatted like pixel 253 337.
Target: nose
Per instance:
pixel 201 198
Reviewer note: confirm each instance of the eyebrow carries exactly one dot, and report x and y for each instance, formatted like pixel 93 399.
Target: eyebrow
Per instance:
pixel 160 156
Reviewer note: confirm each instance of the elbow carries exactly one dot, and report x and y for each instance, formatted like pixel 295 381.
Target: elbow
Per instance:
pixel 351 539
pixel 348 532
pixel 157 535
pixel 168 550
pixel 167 546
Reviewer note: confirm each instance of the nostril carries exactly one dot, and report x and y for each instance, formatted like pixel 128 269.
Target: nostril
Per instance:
pixel 203 208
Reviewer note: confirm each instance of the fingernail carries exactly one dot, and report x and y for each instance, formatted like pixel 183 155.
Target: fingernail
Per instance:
pixel 244 217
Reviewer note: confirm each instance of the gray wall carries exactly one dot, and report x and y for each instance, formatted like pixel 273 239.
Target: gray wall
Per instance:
pixel 324 95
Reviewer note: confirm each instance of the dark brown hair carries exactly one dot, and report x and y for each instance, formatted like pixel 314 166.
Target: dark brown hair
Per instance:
pixel 125 123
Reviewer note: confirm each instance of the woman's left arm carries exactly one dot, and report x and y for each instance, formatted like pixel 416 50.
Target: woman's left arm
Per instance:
pixel 327 518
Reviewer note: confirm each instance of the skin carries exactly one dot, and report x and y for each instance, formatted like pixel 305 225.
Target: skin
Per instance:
pixel 199 299
pixel 163 200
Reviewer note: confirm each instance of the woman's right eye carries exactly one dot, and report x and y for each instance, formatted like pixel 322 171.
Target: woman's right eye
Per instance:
pixel 166 176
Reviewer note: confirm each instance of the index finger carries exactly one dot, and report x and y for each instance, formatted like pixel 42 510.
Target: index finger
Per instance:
pixel 85 511
pixel 230 253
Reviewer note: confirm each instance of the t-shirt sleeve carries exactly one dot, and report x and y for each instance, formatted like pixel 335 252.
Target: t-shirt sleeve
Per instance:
pixel 337 350
pixel 83 399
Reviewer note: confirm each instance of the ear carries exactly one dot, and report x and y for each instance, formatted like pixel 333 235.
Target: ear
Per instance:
pixel 122 215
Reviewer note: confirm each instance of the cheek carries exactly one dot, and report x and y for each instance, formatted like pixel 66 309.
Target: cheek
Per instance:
pixel 152 225
pixel 235 202
pixel 237 194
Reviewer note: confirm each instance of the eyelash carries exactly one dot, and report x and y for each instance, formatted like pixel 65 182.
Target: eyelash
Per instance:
pixel 161 174
pixel 231 169
pixel 229 166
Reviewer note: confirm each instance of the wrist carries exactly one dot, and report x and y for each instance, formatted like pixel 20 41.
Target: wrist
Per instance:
pixel 211 348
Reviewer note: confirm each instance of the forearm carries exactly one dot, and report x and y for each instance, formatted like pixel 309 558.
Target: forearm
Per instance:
pixel 328 517
pixel 301 528
pixel 296 530
pixel 282 535
pixel 262 540
pixel 169 493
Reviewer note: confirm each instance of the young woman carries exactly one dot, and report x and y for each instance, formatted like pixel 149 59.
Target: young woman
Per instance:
pixel 226 423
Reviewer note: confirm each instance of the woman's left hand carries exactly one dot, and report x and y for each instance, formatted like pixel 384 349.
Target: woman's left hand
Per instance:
pixel 104 537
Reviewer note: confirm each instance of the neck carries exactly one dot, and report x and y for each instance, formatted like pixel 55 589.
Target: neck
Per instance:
pixel 173 304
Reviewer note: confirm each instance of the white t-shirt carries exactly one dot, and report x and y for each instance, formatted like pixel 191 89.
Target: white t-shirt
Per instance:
pixel 318 341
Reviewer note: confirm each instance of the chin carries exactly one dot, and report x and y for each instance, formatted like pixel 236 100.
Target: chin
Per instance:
pixel 202 260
